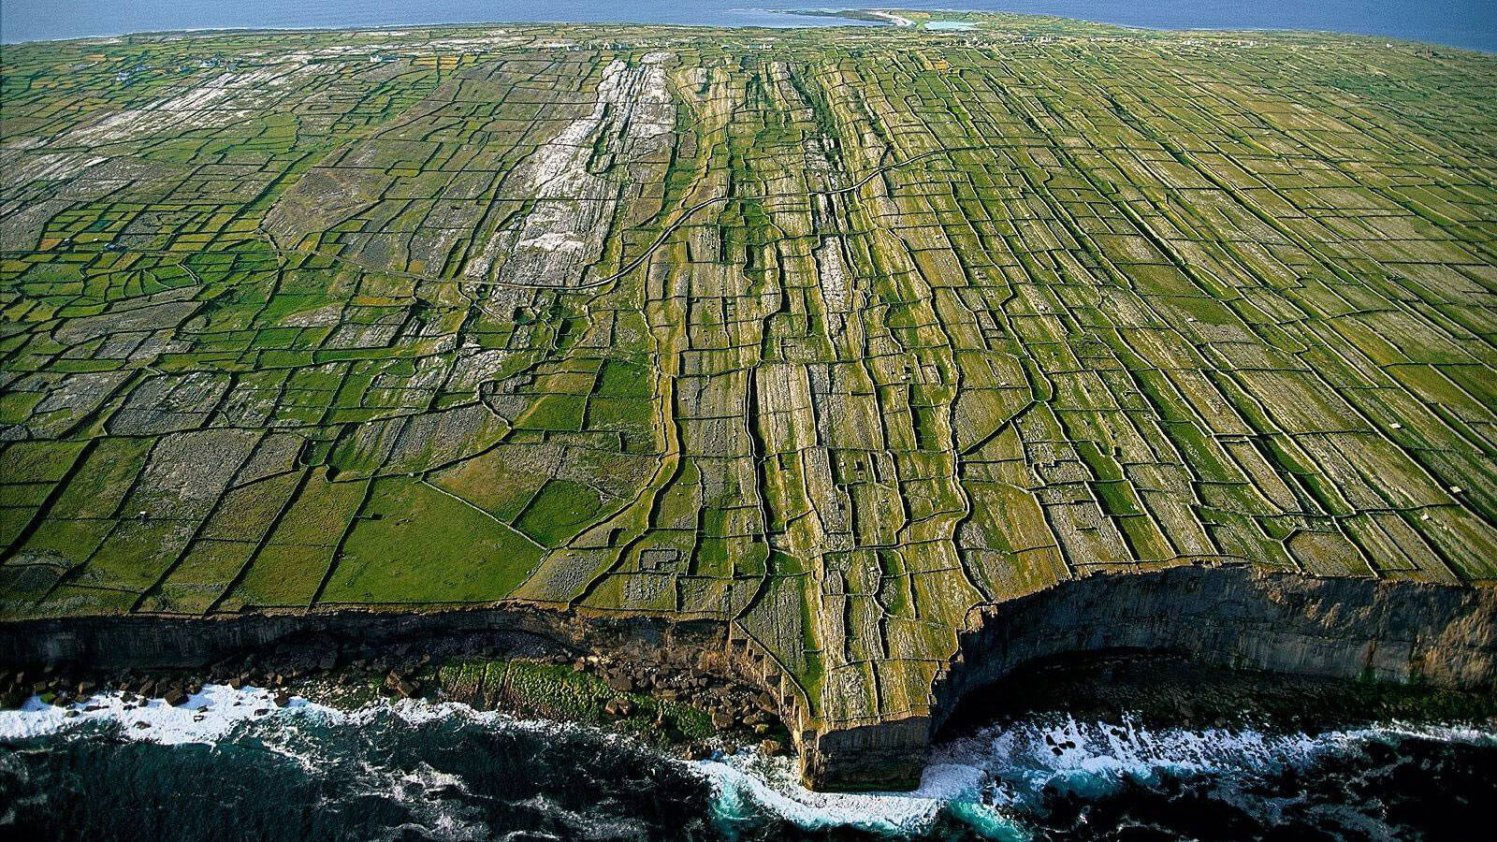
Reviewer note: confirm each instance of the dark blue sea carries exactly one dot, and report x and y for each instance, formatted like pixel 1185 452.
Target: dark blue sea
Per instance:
pixel 231 765
pixel 1462 23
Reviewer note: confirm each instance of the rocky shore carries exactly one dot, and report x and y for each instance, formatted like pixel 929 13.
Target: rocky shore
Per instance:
pixel 694 709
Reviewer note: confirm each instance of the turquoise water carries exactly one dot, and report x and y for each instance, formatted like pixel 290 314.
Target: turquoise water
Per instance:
pixel 1464 23
pixel 231 765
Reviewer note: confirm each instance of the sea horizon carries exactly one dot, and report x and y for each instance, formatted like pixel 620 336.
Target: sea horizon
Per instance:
pixel 1466 24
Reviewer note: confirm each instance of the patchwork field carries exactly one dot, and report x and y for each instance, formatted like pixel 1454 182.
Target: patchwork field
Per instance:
pixel 829 335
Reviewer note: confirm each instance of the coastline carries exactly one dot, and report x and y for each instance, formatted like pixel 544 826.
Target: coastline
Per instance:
pixel 1062 752
pixel 854 18
pixel 697 714
pixel 865 17
pixel 1440 636
pixel 682 699
pixel 1164 691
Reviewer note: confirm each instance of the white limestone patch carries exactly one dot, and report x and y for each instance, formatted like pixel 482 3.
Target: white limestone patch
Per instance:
pixel 229 97
pixel 572 206
pixel 897 20
pixel 831 271
pixel 20 169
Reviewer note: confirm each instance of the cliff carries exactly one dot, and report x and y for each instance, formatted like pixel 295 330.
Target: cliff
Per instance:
pixel 144 641
pixel 1443 635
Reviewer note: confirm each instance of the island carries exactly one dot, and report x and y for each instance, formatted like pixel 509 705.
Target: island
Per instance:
pixel 866 364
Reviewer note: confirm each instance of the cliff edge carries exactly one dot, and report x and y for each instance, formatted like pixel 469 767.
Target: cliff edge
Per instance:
pixel 1444 636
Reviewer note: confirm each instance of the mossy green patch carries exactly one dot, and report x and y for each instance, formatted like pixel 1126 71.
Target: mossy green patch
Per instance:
pixel 415 544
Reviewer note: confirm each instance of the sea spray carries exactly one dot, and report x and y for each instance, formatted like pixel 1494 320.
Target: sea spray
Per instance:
pixel 1025 779
pixel 749 789
pixel 232 763
pixel 205 717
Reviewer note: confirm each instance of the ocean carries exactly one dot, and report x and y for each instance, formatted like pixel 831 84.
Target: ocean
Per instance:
pixel 1462 23
pixel 231 765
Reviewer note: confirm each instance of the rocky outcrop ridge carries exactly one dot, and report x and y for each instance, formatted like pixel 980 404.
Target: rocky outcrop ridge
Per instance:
pixel 1444 635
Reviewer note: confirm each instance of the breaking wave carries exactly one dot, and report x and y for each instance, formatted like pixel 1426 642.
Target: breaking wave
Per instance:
pixel 231 763
pixel 1060 778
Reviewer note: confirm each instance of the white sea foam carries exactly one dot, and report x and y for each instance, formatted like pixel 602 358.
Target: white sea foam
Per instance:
pixel 747 782
pixel 421 790
pixel 211 715
pixel 991 779
pixel 1091 758
pixel 206 717
pixel 296 732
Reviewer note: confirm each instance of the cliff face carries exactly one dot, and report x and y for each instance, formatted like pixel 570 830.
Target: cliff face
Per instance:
pixel 1341 628
pixel 155 642
pixel 1227 616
